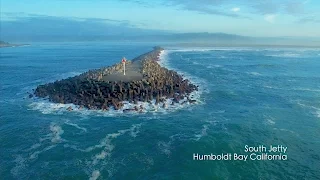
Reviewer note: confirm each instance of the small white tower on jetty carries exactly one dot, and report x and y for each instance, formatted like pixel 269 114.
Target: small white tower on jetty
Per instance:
pixel 124 65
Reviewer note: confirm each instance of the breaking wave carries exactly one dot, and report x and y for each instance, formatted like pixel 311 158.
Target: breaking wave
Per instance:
pixel 285 55
pixel 254 73
pixel 47 107
pixel 269 120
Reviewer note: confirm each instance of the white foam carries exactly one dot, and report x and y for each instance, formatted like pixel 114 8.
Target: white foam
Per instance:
pixel 65 75
pixel 286 55
pixel 306 89
pixel 318 113
pixel 203 132
pixel 107 147
pixel 135 130
pixel 165 147
pixel 34 146
pixel 214 66
pixel 47 107
pixel 286 130
pixel 54 137
pixel 76 126
pixel 20 166
pixel 254 73
pixel 293 89
pixel 95 175
pixel 316 110
pixel 35 154
pixel 269 120
pixel 211 49
pixel 56 132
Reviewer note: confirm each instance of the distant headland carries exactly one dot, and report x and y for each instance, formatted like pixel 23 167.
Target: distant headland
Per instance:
pixel 139 79
pixel 6 44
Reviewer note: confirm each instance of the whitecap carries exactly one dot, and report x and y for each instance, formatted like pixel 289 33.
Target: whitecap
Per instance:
pixel 269 120
pixel 318 114
pixel 306 89
pixel 254 73
pixel 214 66
pixel 286 130
pixel 315 110
pixel 202 133
pixel 285 55
pixel 95 175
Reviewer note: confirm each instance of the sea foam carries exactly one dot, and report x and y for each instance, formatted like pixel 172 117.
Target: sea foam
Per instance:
pixel 202 133
pixel 76 126
pixel 107 147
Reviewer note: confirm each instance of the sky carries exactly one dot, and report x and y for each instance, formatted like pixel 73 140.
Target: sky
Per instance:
pixel 258 18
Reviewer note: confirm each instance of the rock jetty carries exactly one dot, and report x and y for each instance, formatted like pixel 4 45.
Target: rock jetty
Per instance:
pixel 107 87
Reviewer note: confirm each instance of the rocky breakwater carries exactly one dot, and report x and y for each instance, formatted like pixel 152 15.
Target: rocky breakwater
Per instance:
pixel 107 87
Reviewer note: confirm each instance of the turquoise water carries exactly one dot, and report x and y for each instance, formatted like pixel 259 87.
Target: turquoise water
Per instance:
pixel 248 96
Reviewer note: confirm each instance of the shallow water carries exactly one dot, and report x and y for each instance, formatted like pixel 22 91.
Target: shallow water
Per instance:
pixel 248 96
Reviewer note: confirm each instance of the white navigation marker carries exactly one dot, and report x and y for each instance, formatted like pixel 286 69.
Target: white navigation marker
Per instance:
pixel 124 65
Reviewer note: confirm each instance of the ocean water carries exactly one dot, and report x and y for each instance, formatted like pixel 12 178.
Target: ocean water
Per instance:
pixel 248 96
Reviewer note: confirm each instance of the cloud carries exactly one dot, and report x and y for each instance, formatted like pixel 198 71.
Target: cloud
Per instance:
pixel 293 7
pixel 265 7
pixel 309 19
pixel 202 6
pixel 270 18
pixel 22 16
pixel 235 9
pixel 221 7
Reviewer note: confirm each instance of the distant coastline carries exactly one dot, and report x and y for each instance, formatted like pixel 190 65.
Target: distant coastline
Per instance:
pixel 6 44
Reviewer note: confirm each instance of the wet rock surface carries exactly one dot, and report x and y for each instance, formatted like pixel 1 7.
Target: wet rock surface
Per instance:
pixel 98 89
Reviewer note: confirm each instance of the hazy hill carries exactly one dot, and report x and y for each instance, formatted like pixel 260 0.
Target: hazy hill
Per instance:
pixel 46 28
